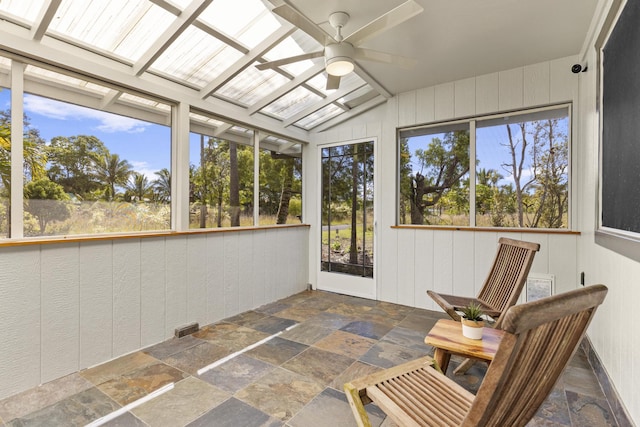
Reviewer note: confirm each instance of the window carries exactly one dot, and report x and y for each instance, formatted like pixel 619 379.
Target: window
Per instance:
pixel 221 177
pixel 5 160
pixel 520 179
pixel 280 181
pixel 86 170
pixel 92 171
pixel 434 175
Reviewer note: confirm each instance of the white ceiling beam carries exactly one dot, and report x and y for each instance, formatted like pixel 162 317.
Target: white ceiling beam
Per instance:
pixel 372 82
pixel 223 128
pixel 220 36
pixel 44 18
pixel 321 127
pixel 168 6
pixel 286 88
pixel 171 8
pixel 264 46
pixel 318 105
pixel 15 39
pixel 177 27
pixel 111 97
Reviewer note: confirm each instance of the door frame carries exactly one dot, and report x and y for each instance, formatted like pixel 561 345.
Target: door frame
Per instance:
pixel 364 287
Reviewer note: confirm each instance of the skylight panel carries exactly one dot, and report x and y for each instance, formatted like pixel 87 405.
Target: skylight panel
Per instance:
pixel 134 99
pixel 25 10
pixel 205 119
pixel 296 44
pixel 320 116
pixel 247 21
pixel 63 79
pixel 196 57
pixel 125 27
pixel 252 85
pixel 292 103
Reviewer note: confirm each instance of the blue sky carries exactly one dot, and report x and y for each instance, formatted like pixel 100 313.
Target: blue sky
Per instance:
pixel 146 146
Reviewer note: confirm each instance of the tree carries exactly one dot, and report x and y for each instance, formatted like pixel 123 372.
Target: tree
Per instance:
pixel 138 188
pixel 72 163
pixel 234 185
pixel 517 146
pixel 110 171
pixel 443 164
pixel 46 201
pixel 162 186
pixel 35 157
pixel 551 164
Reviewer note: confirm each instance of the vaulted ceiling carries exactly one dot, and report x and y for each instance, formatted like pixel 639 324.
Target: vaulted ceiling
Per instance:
pixel 211 47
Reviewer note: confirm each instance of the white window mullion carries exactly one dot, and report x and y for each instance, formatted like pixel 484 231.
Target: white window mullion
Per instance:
pixel 256 178
pixel 180 167
pixel 17 149
pixel 472 173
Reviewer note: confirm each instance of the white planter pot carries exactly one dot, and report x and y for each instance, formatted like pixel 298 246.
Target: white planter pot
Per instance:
pixel 472 330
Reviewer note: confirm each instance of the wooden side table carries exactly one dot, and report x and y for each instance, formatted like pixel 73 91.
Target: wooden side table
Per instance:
pixel 447 339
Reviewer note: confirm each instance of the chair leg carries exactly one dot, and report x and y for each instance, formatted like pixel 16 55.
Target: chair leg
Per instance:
pixel 353 396
pixel 464 367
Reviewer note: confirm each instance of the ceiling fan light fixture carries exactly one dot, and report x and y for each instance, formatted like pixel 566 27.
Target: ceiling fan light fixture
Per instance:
pixel 339 66
pixel 339 59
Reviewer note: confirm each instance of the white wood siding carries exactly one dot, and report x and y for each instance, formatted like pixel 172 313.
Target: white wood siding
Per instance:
pixel 65 307
pixel 411 261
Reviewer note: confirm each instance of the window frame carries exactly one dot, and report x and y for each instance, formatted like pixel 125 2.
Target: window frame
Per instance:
pixel 472 121
pixel 16 82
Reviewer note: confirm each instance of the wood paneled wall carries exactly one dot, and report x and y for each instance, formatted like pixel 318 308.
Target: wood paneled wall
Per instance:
pixel 411 261
pixel 68 306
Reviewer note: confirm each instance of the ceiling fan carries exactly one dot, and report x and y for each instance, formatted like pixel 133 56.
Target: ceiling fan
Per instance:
pixel 340 52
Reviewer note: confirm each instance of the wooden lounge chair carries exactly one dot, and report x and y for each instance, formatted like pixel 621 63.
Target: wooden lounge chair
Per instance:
pixel 540 338
pixel 502 287
pixel 500 290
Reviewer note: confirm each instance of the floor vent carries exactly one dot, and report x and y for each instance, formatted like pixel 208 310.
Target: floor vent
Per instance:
pixel 187 329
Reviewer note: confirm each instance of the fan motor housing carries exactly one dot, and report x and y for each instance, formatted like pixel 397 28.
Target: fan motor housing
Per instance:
pixel 338 58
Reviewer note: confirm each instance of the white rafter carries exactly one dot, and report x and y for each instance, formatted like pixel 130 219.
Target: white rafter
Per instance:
pixel 177 27
pixel 343 91
pixel 372 82
pixel 44 18
pixel 286 88
pixel 222 129
pixel 111 97
pixel 248 59
pixel 372 103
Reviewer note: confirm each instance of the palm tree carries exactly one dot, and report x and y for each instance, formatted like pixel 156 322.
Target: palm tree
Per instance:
pixel 138 188
pixel 112 171
pixel 162 186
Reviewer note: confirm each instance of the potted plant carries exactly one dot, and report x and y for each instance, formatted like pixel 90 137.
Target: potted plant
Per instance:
pixel 472 321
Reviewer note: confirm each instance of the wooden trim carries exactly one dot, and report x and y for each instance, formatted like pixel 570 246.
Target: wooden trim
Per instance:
pixel 141 235
pixel 488 229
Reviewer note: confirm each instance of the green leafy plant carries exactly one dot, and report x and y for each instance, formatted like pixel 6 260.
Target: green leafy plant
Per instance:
pixel 473 312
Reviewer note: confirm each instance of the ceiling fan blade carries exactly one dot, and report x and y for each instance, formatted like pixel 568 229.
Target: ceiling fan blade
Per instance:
pixel 394 17
pixel 289 60
pixel 385 58
pixel 333 82
pixel 294 16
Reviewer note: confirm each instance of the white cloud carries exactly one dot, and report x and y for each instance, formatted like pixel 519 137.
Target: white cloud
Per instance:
pixel 143 168
pixel 108 122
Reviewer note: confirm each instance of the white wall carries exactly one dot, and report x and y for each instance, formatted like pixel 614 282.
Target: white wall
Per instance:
pixel 613 335
pixel 410 261
pixel 68 306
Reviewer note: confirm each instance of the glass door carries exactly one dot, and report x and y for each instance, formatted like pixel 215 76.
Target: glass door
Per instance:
pixel 348 225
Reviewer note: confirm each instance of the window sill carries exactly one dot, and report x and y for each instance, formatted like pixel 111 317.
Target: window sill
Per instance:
pixel 488 229
pixel 141 235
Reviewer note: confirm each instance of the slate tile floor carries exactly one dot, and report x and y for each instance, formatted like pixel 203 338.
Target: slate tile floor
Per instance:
pixel 292 380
